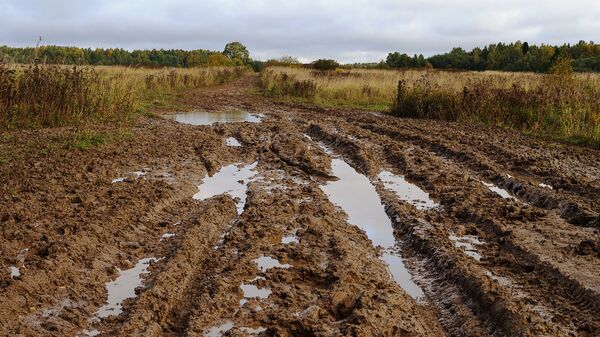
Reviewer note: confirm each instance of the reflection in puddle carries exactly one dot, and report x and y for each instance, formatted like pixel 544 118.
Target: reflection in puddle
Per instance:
pixel 231 179
pixel 266 262
pixel 232 142
pixel 219 330
pixel 406 191
pixel 467 243
pixel 123 287
pixel 501 192
pixel 368 213
pixel 208 118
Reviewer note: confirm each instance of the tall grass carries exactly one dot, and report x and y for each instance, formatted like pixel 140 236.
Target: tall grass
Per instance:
pixel 563 106
pixel 52 95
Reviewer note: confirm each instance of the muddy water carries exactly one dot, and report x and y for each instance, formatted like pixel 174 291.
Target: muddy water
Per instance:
pixel 355 194
pixel 123 287
pixel 232 179
pixel 208 118
pixel 406 191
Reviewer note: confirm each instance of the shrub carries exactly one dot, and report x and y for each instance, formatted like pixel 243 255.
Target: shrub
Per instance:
pixel 324 64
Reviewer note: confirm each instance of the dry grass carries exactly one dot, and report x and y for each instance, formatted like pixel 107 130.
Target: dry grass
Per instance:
pixel 565 107
pixel 50 95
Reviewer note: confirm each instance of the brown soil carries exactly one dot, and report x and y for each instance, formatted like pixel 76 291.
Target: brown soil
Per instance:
pixel 68 228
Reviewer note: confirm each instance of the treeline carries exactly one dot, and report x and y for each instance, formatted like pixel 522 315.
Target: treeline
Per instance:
pixel 234 54
pixel 517 56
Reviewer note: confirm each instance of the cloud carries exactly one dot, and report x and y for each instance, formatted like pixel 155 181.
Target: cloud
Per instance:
pixel 349 31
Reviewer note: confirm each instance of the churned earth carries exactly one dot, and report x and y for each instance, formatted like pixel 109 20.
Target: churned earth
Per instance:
pixel 299 221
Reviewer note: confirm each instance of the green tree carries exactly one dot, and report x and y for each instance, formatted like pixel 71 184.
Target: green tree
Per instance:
pixel 236 50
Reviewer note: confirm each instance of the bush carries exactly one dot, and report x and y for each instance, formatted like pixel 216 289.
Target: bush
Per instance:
pixel 53 95
pixel 560 106
pixel 324 64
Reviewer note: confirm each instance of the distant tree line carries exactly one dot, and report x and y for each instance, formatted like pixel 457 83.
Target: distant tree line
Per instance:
pixel 234 53
pixel 517 56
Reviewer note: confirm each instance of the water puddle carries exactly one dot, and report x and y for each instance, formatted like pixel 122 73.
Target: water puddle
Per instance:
pixel 266 262
pixel 167 236
pixel 219 330
pixel 15 271
pixel 287 239
pixel 467 244
pixel 368 213
pixel 252 291
pixel 232 142
pixel 208 118
pixel 252 331
pixel 406 191
pixel 132 175
pixel 500 191
pixel 232 179
pixel 91 333
pixel 123 288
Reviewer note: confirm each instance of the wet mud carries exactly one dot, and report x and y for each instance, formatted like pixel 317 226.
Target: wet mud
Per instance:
pixel 300 221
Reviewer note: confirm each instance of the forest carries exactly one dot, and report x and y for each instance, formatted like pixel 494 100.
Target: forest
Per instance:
pixel 516 56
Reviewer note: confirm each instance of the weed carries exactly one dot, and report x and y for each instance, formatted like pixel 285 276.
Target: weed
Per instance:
pixel 84 140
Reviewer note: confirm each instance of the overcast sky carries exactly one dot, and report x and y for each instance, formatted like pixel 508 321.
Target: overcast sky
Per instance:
pixel 349 31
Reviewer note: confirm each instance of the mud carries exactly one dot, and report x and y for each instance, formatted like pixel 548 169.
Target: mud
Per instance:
pixel 248 240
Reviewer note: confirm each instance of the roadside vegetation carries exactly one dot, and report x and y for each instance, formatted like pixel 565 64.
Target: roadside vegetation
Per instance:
pixel 559 105
pixel 53 95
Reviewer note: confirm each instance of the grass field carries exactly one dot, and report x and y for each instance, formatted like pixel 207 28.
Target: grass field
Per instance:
pixel 563 106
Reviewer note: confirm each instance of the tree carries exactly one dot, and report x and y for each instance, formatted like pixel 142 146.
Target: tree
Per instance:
pixel 525 48
pixel 236 50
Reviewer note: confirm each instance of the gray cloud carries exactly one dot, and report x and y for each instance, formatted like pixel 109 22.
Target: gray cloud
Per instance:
pixel 349 31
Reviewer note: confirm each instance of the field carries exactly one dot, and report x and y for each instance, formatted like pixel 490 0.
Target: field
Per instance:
pixel 51 95
pixel 561 106
pixel 314 217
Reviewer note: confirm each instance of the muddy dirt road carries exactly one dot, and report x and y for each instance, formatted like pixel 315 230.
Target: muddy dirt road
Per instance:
pixel 300 222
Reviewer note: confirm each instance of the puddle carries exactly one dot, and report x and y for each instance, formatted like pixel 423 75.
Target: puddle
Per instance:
pixel 266 262
pixel 123 287
pixel 406 191
pixel 289 239
pixel 545 186
pixel 232 142
pixel 252 331
pixel 91 333
pixel 167 236
pixel 219 330
pixel 252 291
pixel 232 179
pixel 500 191
pixel 208 118
pixel 14 272
pixel 136 175
pixel 467 243
pixel 368 213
